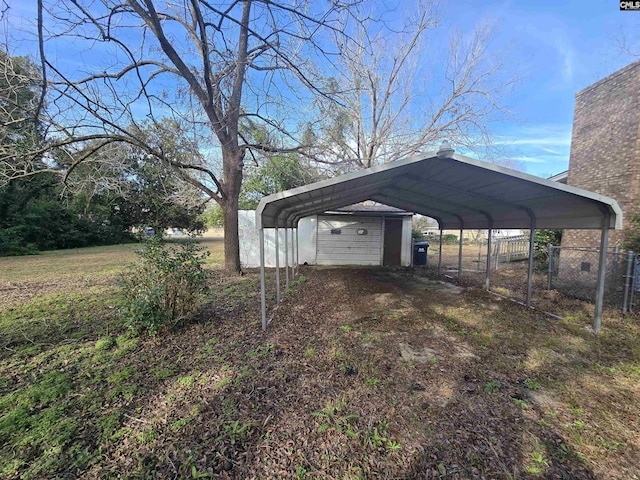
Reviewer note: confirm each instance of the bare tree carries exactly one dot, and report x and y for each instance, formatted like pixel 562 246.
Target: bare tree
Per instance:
pixel 401 95
pixel 212 67
pixel 628 42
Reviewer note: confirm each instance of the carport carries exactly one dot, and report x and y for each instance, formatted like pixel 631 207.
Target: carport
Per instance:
pixel 460 193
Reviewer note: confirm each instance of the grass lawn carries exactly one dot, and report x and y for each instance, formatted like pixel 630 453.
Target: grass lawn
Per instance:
pixel 364 373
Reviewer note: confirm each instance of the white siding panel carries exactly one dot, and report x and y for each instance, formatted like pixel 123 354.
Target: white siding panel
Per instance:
pixel 349 248
pixel 405 256
pixel 250 243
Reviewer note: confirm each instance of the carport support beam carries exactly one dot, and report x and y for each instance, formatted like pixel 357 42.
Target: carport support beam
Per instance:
pixel 532 238
pixel 263 296
pixel 297 253
pixel 277 265
pixel 602 271
pixel 286 257
pixel 487 280
pixel 460 257
pixel 293 254
pixel 440 253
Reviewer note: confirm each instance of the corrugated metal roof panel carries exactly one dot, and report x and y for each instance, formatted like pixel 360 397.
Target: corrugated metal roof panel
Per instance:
pixel 458 191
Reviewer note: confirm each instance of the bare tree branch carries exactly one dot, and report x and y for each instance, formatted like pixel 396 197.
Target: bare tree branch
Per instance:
pixel 222 68
pixel 400 99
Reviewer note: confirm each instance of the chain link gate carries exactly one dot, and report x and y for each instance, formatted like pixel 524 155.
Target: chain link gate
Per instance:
pixel 631 302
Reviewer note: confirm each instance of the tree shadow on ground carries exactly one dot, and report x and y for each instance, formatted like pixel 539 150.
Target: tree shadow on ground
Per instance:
pixel 324 393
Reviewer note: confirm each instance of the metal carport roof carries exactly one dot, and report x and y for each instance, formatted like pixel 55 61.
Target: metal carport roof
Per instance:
pixel 458 191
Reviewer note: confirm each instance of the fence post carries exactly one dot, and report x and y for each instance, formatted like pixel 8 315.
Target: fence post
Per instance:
pixel 634 280
pixel 627 281
pixel 616 262
pixel 550 266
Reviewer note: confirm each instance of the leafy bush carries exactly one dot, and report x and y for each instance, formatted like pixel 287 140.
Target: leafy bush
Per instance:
pixel 213 217
pixel 632 234
pixel 166 286
pixel 542 239
pixel 417 235
pixel 449 239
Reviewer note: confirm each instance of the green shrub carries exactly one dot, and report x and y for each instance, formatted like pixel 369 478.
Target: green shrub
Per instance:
pixel 542 239
pixel 449 239
pixel 417 235
pixel 632 234
pixel 166 286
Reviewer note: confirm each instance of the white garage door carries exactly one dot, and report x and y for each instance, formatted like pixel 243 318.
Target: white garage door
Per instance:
pixel 349 241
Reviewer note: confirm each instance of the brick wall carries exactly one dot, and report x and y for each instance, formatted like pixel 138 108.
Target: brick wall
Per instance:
pixel 605 147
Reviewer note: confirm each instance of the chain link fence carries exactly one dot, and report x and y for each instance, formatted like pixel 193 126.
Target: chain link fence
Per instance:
pixel 573 271
pixel 631 298
pixel 508 263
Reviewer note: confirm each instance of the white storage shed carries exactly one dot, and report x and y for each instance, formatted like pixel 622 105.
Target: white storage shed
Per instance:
pixel 353 235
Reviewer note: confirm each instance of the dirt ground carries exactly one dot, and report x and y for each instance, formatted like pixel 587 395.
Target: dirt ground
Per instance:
pixel 367 373
pixel 363 373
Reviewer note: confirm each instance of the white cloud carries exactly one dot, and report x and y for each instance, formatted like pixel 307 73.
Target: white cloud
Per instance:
pixel 526 159
pixel 549 138
pixel 545 148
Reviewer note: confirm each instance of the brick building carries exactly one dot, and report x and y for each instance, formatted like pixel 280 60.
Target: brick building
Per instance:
pixel 605 158
pixel 605 147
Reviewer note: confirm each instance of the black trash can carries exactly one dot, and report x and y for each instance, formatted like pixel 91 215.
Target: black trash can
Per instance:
pixel 420 253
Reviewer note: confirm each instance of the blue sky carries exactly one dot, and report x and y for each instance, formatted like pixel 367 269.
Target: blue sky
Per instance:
pixel 560 47
pixel 557 47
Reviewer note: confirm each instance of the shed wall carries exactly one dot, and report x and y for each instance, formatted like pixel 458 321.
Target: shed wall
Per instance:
pixel 250 241
pixel 308 241
pixel 340 244
pixel 405 255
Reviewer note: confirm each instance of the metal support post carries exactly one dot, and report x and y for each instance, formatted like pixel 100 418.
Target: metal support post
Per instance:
pixel 263 295
pixel 550 265
pixel 532 238
pixel 286 256
pixel 412 248
pixel 487 281
pixel 293 255
pixel 440 253
pixel 634 281
pixel 460 257
pixel 602 271
pixel 295 262
pixel 628 281
pixel 277 265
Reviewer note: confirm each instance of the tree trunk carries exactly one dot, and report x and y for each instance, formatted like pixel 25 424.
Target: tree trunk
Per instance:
pixel 231 238
pixel 232 172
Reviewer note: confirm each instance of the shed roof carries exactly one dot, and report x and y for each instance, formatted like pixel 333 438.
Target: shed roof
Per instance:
pixel 377 209
pixel 458 191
